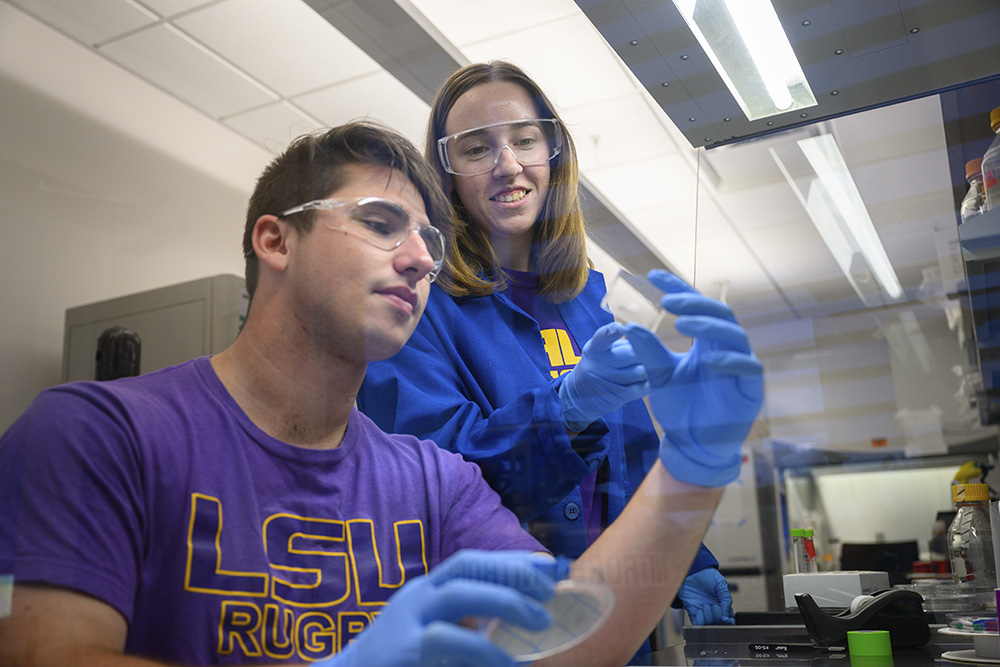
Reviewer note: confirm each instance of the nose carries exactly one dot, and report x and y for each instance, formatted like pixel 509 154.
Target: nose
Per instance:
pixel 413 257
pixel 506 164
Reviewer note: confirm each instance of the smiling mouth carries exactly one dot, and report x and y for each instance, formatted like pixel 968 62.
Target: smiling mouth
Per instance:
pixel 510 197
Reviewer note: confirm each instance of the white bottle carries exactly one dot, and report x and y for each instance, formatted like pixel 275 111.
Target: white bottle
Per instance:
pixel 991 165
pixel 972 204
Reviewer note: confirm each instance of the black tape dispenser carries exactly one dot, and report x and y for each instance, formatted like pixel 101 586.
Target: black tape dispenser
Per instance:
pixel 901 612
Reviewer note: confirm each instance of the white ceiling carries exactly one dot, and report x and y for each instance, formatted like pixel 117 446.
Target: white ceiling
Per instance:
pixel 224 84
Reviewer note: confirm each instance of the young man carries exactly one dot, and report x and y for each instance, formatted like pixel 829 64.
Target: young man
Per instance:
pixel 239 509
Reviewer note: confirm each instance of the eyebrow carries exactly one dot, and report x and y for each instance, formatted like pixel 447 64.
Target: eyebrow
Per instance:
pixel 394 206
pixel 476 131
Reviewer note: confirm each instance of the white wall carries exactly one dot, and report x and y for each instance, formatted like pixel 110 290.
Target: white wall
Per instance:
pixel 62 244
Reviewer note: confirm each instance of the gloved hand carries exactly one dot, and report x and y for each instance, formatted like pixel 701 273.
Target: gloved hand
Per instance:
pixel 607 377
pixel 417 626
pixel 707 398
pixel 706 599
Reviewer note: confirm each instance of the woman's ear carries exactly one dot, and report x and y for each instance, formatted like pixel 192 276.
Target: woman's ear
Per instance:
pixel 270 241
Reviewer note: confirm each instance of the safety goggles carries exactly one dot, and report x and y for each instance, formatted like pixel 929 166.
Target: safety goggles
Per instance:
pixel 381 222
pixel 532 142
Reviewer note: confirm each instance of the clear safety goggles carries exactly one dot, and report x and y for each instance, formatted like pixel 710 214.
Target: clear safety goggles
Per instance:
pixel 532 142
pixel 381 222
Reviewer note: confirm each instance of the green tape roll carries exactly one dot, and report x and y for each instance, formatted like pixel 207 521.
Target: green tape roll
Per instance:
pixel 869 643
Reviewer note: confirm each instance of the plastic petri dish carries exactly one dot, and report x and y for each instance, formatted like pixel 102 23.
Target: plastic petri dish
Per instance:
pixel 633 298
pixel 579 607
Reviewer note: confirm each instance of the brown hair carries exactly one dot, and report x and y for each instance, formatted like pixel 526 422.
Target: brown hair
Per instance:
pixel 559 253
pixel 313 166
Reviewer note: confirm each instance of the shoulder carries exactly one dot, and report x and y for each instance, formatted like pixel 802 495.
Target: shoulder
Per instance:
pixel 126 402
pixel 407 450
pixel 442 304
pixel 447 313
pixel 129 388
pixel 596 283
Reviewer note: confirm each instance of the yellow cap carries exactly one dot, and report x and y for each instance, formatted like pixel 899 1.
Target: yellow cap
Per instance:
pixel 967 493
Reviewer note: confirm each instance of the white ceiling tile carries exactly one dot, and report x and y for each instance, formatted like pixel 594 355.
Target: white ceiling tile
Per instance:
pixel 617 132
pixel 285 45
pixel 660 181
pixel 568 58
pixel 273 126
pixel 173 62
pixel 471 21
pixel 90 22
pixel 378 96
pixel 168 8
pixel 77 82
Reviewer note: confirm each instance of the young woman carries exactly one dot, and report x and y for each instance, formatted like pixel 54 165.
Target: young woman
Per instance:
pixel 514 364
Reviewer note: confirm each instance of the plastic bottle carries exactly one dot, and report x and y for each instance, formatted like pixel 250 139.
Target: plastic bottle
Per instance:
pixel 803 550
pixel 970 544
pixel 991 165
pixel 975 198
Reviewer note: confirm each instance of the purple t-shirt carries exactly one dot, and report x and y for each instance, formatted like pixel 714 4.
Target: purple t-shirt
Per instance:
pixel 564 353
pixel 218 543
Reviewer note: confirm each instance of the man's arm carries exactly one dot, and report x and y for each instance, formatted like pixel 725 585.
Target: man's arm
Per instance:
pixel 644 556
pixel 59 627
pixel 706 400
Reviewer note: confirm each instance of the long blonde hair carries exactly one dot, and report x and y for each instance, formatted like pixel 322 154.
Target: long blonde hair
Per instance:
pixel 559 254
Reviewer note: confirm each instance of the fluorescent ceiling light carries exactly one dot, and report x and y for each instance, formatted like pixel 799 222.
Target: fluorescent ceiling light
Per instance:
pixel 750 50
pixel 836 209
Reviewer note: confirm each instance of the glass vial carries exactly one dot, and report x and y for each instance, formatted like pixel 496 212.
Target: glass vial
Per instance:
pixel 803 550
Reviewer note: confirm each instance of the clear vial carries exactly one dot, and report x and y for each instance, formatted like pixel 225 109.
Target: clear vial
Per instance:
pixel 970 544
pixel 803 550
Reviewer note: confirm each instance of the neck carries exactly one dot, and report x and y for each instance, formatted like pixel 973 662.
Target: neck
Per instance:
pixel 513 252
pixel 287 389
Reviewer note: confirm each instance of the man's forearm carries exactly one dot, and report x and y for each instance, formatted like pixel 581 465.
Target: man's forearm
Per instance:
pixel 644 556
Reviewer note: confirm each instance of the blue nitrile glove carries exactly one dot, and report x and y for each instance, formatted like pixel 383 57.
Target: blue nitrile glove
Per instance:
pixel 707 398
pixel 607 377
pixel 706 598
pixel 418 625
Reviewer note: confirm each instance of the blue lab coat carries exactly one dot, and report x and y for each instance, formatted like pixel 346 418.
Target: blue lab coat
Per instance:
pixel 476 379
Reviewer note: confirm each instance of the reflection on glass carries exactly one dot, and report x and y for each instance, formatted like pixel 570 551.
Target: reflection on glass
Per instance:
pixel 835 206
pixel 875 325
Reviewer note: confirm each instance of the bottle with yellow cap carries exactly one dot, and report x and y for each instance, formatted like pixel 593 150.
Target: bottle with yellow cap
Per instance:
pixel 970 544
pixel 991 166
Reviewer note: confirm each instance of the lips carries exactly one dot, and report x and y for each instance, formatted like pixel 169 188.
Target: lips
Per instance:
pixel 402 293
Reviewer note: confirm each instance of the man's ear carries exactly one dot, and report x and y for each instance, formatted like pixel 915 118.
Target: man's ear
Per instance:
pixel 270 241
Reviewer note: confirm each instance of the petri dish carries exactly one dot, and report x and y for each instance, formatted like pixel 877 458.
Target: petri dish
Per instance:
pixel 579 607
pixel 633 298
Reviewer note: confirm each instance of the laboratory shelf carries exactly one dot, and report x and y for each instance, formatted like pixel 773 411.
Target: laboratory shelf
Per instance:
pixel 980 236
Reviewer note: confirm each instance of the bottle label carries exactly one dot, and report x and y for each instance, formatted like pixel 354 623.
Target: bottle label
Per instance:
pixel 958 570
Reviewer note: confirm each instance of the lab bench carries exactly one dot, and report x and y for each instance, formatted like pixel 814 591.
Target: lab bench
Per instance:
pixel 788 644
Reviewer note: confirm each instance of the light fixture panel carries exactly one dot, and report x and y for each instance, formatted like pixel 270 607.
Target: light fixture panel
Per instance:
pixel 854 55
pixel 750 51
